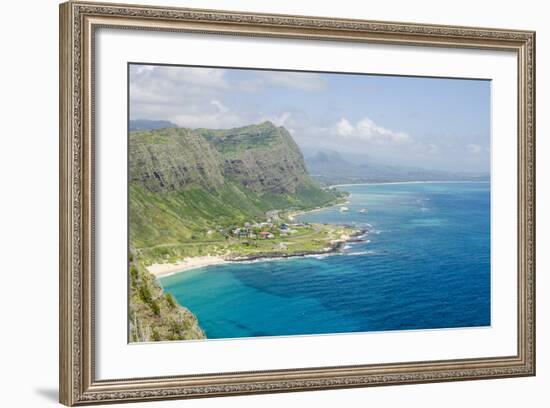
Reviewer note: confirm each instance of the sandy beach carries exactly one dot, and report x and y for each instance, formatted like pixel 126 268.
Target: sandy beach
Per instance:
pixel 293 214
pixel 185 264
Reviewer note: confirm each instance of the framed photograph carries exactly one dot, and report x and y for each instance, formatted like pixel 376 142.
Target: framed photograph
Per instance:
pixel 255 203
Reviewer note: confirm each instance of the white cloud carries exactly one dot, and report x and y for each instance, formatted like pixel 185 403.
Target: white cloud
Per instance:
pixel 215 120
pixel 366 130
pixel 188 97
pixel 250 85
pixel 432 148
pixel 203 77
pixel 140 69
pixel 168 85
pixel 221 107
pixel 283 119
pixel 295 80
pixel 213 115
pixel 196 97
pixel 474 148
pixel 344 128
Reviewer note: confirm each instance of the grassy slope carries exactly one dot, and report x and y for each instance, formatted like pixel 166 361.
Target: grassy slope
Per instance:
pixel 176 217
pixel 168 226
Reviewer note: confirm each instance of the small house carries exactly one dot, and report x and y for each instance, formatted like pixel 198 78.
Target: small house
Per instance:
pixel 266 235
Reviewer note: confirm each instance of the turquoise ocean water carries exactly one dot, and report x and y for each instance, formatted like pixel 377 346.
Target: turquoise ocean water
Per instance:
pixel 425 264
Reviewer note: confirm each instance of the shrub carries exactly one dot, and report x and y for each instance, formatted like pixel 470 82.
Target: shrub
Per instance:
pixel 155 307
pixel 155 335
pixel 171 300
pixel 145 294
pixel 133 274
pixel 175 327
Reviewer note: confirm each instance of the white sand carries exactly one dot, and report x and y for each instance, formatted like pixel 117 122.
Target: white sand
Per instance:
pixel 185 265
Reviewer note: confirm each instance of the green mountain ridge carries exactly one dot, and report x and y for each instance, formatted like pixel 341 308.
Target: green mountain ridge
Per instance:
pixel 185 183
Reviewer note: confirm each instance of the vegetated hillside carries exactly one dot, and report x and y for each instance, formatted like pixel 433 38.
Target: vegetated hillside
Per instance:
pixel 331 168
pixel 186 183
pixel 155 315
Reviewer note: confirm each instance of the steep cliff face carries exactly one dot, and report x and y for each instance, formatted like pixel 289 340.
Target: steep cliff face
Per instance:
pixel 262 158
pixel 183 182
pixel 173 159
pixel 155 315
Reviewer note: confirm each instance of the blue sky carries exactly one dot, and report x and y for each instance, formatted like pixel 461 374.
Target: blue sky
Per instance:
pixel 433 123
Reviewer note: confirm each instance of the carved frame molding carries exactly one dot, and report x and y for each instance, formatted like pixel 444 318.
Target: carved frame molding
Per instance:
pixel 78 22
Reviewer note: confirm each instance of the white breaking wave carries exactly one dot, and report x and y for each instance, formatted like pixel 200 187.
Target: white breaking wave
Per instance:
pixel 369 252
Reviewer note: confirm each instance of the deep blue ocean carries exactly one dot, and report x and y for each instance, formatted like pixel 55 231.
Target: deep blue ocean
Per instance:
pixel 425 265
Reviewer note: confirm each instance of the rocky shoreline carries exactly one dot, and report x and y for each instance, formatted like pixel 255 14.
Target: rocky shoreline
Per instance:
pixel 335 246
pixel 160 270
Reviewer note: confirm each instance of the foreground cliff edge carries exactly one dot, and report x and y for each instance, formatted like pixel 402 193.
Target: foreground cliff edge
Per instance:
pixel 229 195
pixel 155 315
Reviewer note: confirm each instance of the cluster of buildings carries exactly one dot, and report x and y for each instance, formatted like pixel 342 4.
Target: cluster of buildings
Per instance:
pixel 264 230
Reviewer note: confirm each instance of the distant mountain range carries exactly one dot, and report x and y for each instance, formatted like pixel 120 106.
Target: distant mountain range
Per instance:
pixel 329 167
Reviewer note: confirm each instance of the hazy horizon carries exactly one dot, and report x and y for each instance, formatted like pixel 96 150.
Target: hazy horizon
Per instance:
pixel 430 123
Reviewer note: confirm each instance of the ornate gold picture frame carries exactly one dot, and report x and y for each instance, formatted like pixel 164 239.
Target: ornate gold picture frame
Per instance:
pixel 79 22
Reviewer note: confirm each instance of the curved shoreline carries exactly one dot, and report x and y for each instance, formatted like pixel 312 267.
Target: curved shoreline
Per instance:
pixel 291 215
pixel 188 264
pixel 378 183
